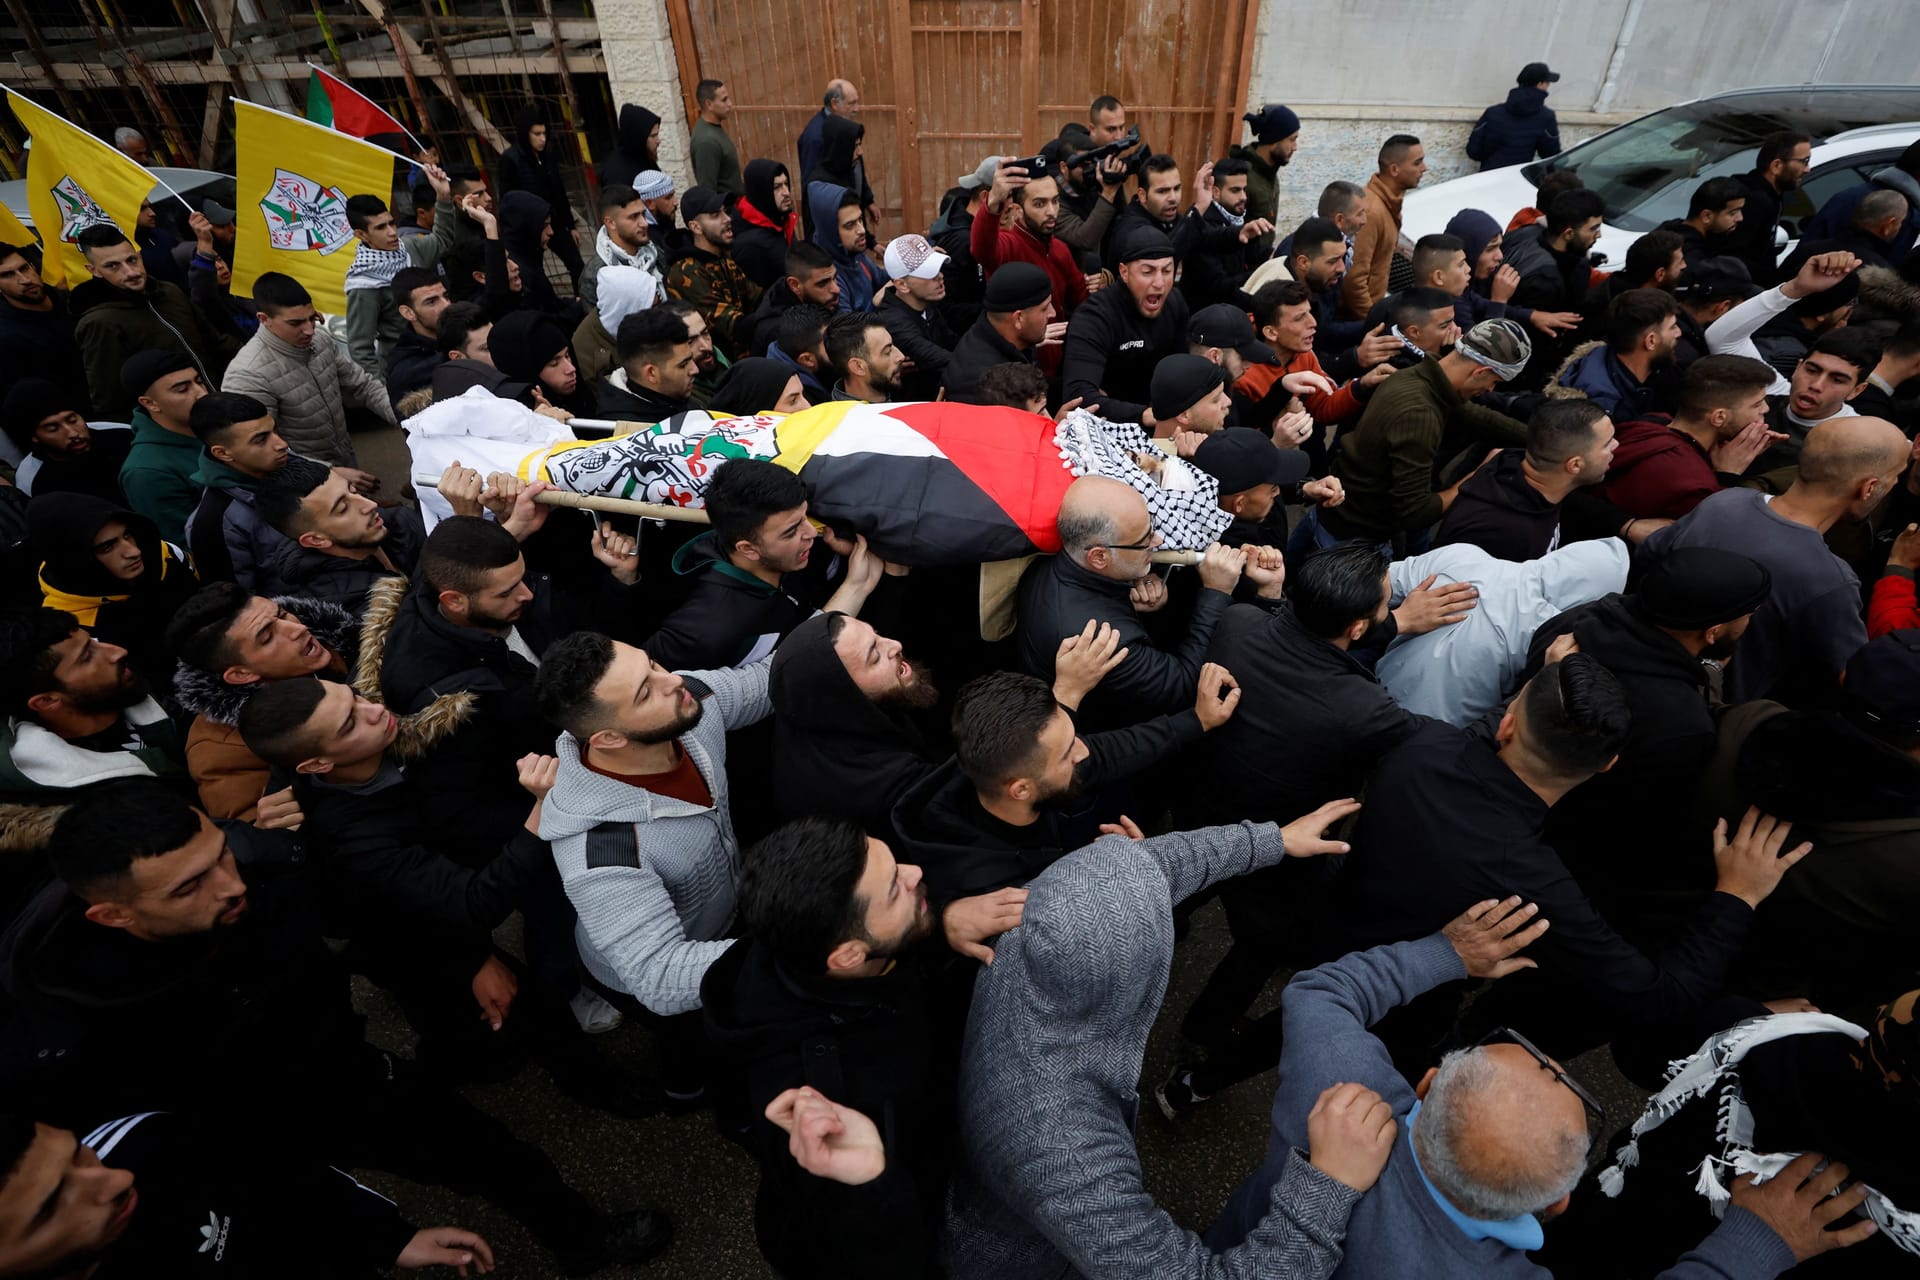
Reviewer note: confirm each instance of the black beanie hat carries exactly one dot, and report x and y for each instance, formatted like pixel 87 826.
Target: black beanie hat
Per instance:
pixel 1017 286
pixel 1692 588
pixel 1182 381
pixel 144 368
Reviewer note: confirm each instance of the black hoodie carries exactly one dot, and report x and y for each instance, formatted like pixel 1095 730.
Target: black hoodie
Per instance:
pixel 838 139
pixel 760 238
pixel 522 214
pixel 630 156
pixel 62 528
pixel 865 1043
pixel 524 169
pixel 1629 835
pixel 294 570
pixel 836 751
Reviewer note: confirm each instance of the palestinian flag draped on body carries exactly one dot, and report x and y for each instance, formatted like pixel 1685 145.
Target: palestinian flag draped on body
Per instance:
pixel 291 201
pixel 332 103
pixel 928 484
pixel 74 181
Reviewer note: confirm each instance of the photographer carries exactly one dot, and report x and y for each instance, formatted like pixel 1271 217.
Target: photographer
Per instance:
pixel 1091 181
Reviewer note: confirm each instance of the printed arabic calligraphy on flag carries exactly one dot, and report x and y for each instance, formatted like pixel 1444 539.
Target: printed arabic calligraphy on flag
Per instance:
pixel 293 183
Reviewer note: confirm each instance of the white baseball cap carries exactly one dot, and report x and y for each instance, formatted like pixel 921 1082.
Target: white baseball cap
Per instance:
pixel 911 255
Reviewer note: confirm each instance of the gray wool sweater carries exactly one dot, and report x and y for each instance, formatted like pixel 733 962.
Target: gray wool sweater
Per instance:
pixel 654 879
pixel 1048 1182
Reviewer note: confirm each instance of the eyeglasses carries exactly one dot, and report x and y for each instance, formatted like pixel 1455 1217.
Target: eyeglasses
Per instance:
pixel 1145 544
pixel 1506 1035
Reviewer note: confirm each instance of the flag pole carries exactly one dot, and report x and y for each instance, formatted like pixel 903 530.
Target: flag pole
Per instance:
pixel 157 180
pixel 424 148
pixel 287 115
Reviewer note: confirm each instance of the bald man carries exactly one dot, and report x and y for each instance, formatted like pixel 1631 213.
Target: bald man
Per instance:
pixel 1801 638
pixel 1490 1143
pixel 1103 574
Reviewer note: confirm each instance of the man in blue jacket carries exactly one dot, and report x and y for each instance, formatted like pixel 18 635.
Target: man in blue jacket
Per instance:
pixel 1522 127
pixel 1492 1141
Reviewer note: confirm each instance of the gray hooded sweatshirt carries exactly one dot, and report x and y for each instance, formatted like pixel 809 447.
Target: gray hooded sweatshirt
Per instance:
pixel 653 879
pixel 1048 1181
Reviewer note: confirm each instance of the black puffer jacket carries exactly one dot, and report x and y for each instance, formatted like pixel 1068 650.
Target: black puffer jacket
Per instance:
pixel 412 658
pixel 1515 131
pixel 294 570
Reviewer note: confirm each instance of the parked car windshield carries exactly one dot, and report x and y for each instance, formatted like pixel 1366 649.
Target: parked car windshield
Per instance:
pixel 1645 171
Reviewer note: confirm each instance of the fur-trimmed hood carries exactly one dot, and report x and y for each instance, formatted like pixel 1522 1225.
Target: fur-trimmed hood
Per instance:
pixel 1558 390
pixel 204 693
pixel 1888 295
pixel 434 723
pixel 28 828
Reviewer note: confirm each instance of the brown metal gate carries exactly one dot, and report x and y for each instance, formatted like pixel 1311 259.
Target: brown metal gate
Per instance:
pixel 945 83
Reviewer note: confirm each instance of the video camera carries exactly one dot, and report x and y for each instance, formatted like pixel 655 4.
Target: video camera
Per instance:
pixel 1130 149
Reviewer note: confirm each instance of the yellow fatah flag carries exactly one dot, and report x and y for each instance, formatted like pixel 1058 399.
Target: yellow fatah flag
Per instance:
pixel 13 231
pixel 74 181
pixel 291 207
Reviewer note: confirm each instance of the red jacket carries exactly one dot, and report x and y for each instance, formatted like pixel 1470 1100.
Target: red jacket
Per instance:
pixel 1263 380
pixel 1657 472
pixel 993 246
pixel 1893 607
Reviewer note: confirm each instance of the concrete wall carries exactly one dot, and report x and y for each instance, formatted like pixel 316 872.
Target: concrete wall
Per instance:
pixel 1429 69
pixel 638 47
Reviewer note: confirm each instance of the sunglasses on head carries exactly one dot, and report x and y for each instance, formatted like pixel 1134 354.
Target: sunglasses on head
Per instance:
pixel 1506 1035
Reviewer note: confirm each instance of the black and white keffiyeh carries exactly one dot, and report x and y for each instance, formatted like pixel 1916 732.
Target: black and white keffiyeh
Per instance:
pixel 1713 1068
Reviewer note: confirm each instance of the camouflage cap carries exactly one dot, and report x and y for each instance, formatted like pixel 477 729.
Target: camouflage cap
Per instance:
pixel 1500 345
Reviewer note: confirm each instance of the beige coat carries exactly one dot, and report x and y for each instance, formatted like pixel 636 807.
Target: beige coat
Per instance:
pixel 307 391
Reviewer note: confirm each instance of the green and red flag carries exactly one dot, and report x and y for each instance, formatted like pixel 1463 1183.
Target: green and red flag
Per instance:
pixel 336 104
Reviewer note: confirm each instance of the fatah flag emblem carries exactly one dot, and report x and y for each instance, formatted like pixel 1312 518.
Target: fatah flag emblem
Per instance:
pixel 303 214
pixel 78 210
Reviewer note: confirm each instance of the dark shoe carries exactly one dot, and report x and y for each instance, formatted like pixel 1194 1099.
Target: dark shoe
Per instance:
pixel 624 1237
pixel 1176 1094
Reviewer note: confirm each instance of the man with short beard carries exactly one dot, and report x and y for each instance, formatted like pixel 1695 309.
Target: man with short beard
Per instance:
pixel 848 736
pixel 1036 196
pixel 860 349
pixel 640 824
pixel 995 815
pixel 1620 372
pixel 1224 256
pixel 77 713
pixel 36 326
pixel 835 958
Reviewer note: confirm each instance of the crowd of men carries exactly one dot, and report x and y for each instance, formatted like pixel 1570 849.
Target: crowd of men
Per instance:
pixel 1554 684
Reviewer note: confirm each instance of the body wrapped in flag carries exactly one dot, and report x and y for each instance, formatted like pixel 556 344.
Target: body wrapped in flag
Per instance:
pixel 928 484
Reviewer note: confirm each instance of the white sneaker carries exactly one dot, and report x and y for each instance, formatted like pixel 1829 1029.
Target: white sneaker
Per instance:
pixel 594 1014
